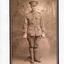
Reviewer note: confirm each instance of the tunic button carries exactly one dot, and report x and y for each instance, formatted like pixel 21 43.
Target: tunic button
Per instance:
pixel 36 18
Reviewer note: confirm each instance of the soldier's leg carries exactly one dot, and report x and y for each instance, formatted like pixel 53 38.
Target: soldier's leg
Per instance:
pixel 31 48
pixel 36 49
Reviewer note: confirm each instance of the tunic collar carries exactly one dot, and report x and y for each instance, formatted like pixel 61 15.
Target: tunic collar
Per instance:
pixel 34 12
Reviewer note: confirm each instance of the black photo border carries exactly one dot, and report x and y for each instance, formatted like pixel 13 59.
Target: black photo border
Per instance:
pixel 10 31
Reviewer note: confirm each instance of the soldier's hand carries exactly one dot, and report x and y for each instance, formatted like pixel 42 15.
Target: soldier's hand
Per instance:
pixel 25 36
pixel 43 35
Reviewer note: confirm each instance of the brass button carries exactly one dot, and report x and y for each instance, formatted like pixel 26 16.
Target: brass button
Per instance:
pixel 36 18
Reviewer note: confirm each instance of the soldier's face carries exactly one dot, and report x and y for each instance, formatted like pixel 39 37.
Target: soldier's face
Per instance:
pixel 33 8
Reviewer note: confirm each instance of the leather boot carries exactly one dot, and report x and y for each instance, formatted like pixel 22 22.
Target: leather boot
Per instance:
pixel 36 56
pixel 32 55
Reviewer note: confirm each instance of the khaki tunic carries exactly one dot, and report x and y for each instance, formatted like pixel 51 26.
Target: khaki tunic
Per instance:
pixel 33 25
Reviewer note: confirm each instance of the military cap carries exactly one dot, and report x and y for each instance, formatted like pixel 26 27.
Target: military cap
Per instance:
pixel 33 3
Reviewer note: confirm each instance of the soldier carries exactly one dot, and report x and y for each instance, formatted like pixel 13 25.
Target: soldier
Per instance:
pixel 33 30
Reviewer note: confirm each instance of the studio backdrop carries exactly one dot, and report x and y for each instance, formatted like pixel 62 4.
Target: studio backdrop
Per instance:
pixel 48 45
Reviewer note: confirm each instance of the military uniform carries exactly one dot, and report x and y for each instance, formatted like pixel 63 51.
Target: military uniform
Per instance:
pixel 33 24
pixel 34 28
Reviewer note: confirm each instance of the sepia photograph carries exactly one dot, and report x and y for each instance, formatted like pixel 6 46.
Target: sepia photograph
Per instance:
pixel 34 32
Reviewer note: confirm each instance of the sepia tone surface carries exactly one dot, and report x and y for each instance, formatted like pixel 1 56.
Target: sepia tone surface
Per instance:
pixel 48 46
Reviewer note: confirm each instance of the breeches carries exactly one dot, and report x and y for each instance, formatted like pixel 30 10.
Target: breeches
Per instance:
pixel 33 41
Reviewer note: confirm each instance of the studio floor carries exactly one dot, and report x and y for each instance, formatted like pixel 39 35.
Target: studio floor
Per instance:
pixel 45 60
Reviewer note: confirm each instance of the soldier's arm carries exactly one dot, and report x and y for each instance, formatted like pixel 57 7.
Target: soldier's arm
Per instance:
pixel 25 28
pixel 42 24
pixel 42 27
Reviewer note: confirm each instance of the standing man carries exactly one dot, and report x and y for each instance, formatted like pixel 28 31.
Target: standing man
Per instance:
pixel 33 31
